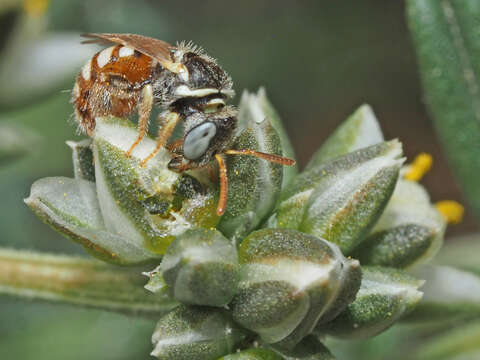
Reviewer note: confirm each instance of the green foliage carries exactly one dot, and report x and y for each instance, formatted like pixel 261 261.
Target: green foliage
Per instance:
pixel 445 34
pixel 275 270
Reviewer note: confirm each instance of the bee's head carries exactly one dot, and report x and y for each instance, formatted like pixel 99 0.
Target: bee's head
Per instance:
pixel 208 134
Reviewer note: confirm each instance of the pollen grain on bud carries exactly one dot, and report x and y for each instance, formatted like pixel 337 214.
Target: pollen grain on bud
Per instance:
pixel 451 210
pixel 420 166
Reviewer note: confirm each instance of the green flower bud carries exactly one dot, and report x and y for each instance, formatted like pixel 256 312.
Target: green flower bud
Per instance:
pixel 384 296
pixel 194 333
pixel 200 267
pixel 341 200
pixel 288 281
pixel 361 129
pixel 253 354
pixel 409 231
pixel 82 156
pixel 258 107
pixel 254 184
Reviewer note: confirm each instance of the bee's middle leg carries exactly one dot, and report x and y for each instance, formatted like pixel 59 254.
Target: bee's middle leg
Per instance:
pixel 168 121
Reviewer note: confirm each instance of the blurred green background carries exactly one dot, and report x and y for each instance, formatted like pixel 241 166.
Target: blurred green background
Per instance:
pixel 318 60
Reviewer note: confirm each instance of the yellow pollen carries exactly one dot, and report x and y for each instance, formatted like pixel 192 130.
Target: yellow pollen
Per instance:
pixel 419 167
pixel 451 210
pixel 35 7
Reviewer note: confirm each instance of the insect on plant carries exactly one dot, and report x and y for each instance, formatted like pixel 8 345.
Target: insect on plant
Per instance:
pixel 139 72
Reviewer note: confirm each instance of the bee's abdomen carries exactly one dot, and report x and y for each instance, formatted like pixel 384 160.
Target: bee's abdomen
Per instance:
pixel 109 84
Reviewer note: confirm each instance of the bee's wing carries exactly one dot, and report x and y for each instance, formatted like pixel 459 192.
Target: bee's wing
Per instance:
pixel 156 49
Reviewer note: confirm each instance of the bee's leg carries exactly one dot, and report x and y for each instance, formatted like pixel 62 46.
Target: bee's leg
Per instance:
pixel 222 170
pixel 144 111
pixel 170 120
pixel 175 145
pixel 269 157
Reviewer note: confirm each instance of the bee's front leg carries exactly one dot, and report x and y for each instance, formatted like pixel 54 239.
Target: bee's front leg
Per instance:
pixel 168 120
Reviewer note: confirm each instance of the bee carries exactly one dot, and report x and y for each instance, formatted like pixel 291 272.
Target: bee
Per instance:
pixel 138 72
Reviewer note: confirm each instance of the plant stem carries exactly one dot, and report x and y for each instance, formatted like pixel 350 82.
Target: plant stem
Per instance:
pixel 78 281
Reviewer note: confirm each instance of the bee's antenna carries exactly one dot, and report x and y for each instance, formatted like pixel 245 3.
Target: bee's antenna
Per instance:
pixel 269 157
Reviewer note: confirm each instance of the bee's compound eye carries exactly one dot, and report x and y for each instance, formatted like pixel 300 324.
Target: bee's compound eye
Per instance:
pixel 198 139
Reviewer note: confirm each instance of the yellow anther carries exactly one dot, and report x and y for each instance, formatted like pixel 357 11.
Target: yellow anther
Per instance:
pixel 35 7
pixel 419 167
pixel 451 210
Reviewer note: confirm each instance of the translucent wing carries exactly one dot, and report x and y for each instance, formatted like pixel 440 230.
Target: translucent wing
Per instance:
pixel 156 49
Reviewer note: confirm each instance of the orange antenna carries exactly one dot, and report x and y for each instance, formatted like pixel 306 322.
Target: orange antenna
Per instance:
pixel 222 201
pixel 269 157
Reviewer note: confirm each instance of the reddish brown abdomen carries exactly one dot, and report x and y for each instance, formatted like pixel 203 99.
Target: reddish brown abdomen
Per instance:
pixel 110 84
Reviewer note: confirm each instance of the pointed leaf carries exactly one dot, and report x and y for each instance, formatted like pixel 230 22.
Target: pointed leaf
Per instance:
pixel 194 333
pixel 288 281
pixel 384 296
pixel 445 34
pixel 340 178
pixel 361 129
pixel 254 184
pixel 258 107
pixel 82 156
pixel 345 204
pixel 71 207
pixel 410 230
pixel 200 267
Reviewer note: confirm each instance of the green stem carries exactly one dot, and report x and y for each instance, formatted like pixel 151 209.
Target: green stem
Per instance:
pixel 78 281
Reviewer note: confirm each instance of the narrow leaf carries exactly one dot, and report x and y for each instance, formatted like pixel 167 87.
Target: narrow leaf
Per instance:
pixel 409 231
pixel 385 295
pixel 78 281
pixel 71 207
pixel 82 156
pixel 445 34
